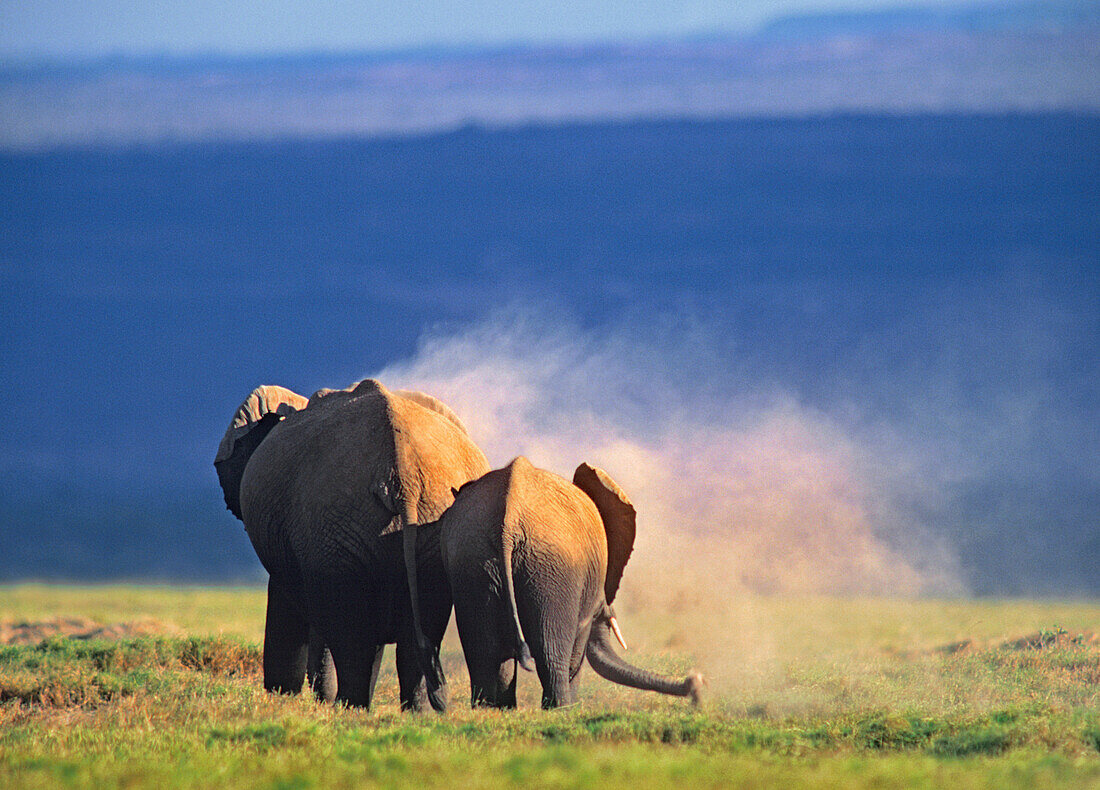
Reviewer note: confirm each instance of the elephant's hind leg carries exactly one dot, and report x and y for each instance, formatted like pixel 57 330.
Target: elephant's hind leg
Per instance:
pixel 507 675
pixel 556 685
pixel 357 668
pixel 286 641
pixel 410 679
pixel 340 610
pixel 552 634
pixel 487 644
pixel 494 685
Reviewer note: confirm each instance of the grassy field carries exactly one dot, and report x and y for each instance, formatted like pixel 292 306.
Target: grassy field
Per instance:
pixel 813 692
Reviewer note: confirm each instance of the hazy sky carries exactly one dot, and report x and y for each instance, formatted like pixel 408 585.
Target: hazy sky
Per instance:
pixel 56 28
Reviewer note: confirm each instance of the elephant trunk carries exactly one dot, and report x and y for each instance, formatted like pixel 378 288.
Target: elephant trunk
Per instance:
pixel 608 664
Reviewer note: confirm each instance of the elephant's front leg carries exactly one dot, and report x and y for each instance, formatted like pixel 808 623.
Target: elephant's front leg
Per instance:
pixel 286 641
pixel 320 670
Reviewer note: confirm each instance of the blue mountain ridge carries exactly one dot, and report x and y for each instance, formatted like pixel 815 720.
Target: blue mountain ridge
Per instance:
pixel 965 17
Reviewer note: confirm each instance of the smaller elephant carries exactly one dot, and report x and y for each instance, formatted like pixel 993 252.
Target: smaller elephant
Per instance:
pixel 534 563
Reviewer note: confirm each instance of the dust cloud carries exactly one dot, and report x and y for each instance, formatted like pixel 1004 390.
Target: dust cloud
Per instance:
pixel 740 488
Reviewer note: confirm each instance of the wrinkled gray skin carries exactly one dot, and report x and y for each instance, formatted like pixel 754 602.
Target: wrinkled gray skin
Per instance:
pixel 534 563
pixel 326 491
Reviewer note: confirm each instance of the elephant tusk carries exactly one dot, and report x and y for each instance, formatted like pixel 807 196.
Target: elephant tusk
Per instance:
pixel 618 634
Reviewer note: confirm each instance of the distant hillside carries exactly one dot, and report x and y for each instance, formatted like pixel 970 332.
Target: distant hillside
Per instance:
pixel 1034 17
pixel 1002 58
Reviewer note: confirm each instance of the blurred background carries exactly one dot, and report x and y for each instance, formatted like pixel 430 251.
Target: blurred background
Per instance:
pixel 817 281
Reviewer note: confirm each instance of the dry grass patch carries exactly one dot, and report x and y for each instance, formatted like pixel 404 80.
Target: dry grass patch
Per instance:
pixel 66 672
pixel 31 632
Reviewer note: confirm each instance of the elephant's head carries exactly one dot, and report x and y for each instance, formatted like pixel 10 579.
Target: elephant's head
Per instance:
pixel 260 412
pixel 619 521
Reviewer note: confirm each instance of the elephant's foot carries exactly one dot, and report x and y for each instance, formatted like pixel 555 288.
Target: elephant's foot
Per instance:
pixel 420 700
pixel 320 670
pixel 357 675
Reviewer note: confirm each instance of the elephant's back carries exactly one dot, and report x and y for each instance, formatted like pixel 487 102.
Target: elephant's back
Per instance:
pixel 535 510
pixel 472 527
pixel 554 516
pixel 419 442
pixel 313 485
pixel 324 449
pixel 433 455
pixel 353 465
pixel 560 544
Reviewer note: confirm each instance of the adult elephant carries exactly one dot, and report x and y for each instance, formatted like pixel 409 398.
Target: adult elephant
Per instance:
pixel 534 563
pixel 326 488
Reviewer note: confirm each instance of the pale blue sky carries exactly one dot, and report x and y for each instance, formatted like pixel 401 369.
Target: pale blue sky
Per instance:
pixel 63 28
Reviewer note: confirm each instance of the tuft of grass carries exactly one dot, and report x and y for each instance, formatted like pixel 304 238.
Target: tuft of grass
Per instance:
pixel 220 656
pixel 1091 735
pixel 986 740
pixel 265 735
pixel 62 688
pixel 885 731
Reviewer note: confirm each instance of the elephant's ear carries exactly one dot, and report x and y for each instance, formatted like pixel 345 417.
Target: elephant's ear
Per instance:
pixel 619 521
pixel 433 403
pixel 260 412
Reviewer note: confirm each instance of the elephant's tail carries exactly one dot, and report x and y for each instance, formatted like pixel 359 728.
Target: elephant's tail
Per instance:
pixel 523 652
pixel 427 656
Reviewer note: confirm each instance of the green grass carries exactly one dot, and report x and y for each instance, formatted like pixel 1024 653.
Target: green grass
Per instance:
pixel 813 692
